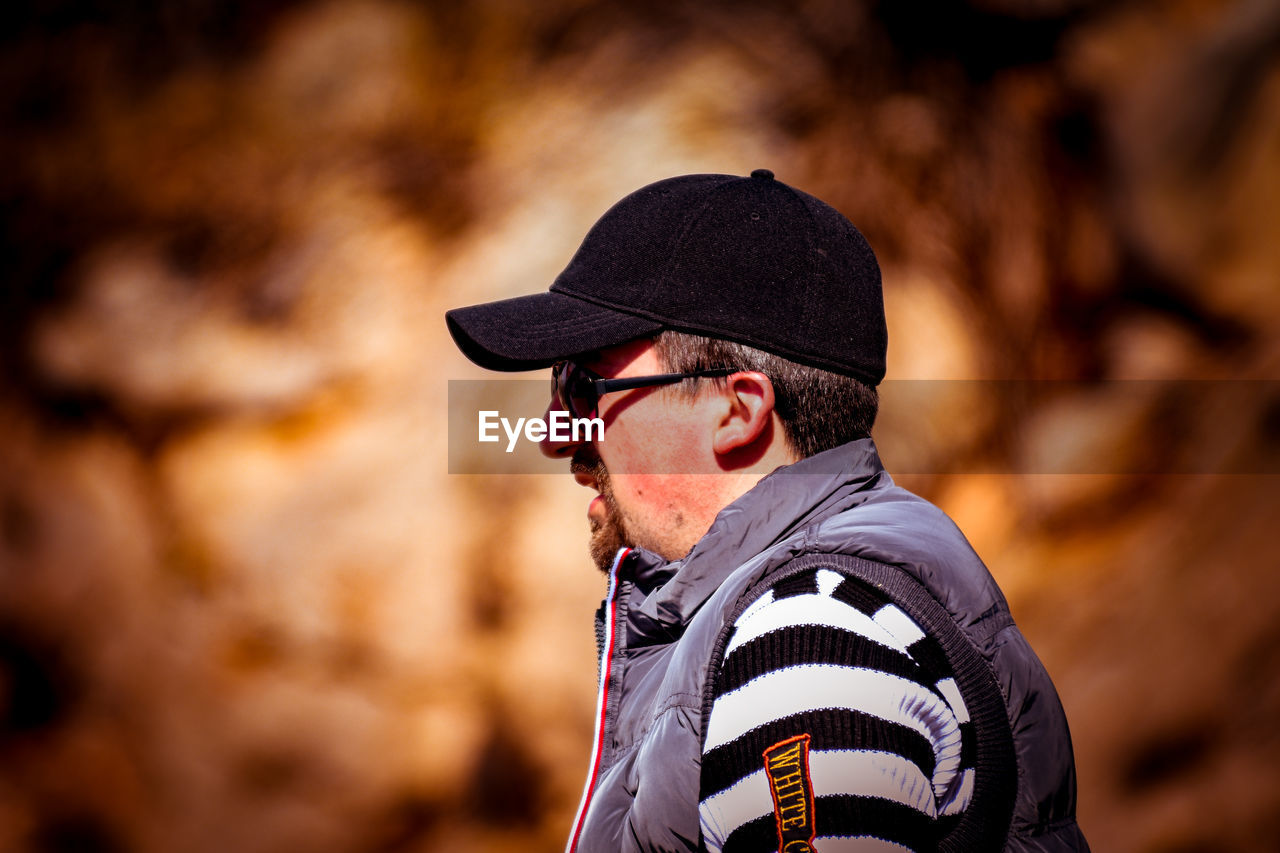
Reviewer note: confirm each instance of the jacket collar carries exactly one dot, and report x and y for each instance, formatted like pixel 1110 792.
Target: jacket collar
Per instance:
pixel 786 501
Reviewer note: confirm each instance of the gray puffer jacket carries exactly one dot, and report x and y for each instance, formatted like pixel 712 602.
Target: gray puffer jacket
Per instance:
pixel 663 625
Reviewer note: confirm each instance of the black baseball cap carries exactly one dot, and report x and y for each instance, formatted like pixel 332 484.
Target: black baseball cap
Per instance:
pixel 750 260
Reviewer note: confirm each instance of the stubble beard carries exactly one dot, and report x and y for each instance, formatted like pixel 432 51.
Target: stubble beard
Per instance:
pixel 609 535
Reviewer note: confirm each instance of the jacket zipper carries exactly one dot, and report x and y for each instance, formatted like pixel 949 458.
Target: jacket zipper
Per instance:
pixel 602 699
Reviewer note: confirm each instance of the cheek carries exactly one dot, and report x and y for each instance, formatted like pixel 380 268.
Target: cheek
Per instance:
pixel 658 453
pixel 648 442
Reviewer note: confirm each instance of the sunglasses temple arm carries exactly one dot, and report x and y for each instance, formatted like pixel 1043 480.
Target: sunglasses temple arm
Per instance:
pixel 605 386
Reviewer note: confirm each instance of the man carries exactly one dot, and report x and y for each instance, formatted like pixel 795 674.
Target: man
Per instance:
pixel 796 654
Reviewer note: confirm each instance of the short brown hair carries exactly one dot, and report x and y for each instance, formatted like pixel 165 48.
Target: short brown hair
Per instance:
pixel 819 409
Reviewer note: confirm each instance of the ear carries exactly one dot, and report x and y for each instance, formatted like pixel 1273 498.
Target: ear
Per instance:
pixel 748 414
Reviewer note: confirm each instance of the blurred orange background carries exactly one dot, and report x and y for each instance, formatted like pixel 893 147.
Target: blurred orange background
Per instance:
pixel 243 605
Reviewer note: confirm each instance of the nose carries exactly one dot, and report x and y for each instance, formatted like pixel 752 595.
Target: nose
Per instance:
pixel 559 443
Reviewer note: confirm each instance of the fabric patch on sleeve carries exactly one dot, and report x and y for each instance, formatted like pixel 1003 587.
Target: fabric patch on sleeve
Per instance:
pixel 787 765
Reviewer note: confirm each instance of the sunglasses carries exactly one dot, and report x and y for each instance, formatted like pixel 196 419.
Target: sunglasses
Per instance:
pixel 579 390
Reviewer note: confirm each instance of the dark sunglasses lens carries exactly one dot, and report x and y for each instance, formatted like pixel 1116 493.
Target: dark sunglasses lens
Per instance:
pixel 573 388
pixel 581 394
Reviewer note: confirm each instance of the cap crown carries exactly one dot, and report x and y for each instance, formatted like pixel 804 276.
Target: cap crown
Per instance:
pixel 750 260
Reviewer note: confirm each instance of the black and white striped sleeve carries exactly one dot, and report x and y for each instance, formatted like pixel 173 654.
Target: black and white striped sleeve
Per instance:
pixel 835 721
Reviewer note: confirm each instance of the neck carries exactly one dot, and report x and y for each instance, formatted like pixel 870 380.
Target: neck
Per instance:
pixel 717 491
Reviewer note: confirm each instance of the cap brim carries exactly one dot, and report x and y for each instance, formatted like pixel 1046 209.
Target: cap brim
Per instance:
pixel 536 331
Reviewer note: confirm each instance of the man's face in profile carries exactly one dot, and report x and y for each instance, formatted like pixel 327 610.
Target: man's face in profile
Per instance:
pixel 643 467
